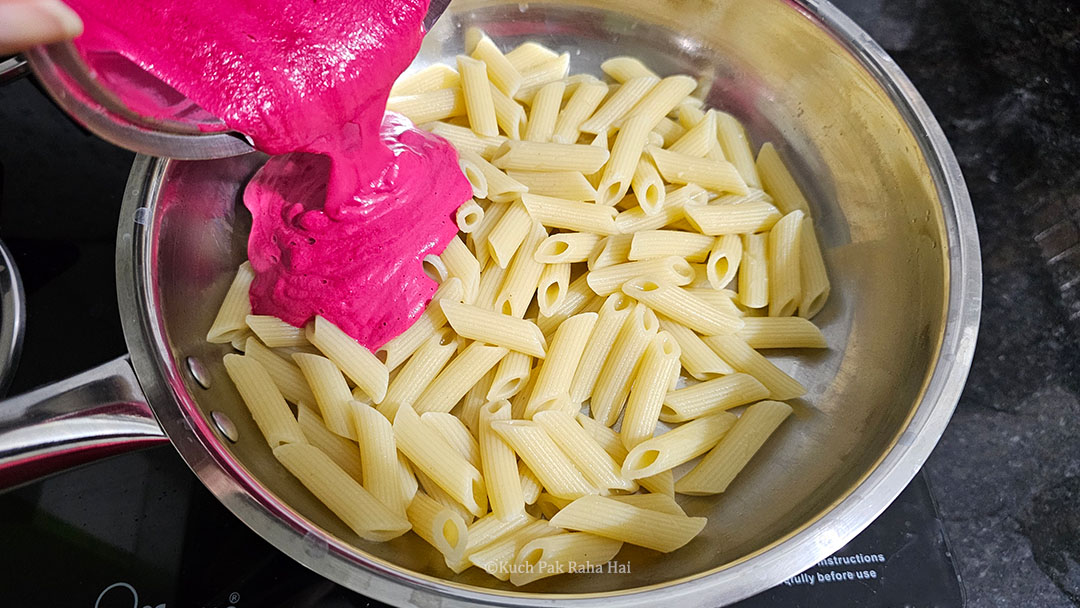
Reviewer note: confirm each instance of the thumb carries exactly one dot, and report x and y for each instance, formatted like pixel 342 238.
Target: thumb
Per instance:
pixel 26 23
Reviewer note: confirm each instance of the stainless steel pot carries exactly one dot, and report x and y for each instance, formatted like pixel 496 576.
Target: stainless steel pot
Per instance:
pixel 901 247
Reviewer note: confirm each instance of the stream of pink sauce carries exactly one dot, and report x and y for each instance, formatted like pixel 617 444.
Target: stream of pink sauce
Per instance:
pixel 344 216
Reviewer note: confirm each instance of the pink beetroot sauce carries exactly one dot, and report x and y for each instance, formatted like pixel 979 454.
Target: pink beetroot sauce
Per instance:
pixel 343 218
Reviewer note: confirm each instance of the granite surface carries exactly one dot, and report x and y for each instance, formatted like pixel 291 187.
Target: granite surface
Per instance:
pixel 1003 78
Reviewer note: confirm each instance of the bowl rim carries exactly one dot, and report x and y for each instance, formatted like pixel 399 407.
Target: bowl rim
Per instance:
pixel 819 537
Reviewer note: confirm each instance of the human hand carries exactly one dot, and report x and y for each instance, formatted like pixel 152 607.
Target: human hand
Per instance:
pixel 25 23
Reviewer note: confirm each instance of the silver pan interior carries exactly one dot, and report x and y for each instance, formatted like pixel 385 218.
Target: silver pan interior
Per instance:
pixel 899 239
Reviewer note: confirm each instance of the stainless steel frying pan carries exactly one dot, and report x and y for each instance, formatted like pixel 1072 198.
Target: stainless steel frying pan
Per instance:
pixel 893 215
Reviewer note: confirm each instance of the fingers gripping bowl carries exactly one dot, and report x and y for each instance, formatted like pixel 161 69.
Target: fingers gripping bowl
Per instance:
pixel 899 241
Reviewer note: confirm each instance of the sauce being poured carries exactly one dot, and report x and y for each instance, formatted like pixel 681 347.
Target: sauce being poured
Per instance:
pixel 344 216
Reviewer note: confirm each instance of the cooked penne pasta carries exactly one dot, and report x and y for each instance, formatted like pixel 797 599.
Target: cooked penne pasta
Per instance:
pixel 431 454
pixel 716 175
pixel 619 103
pixel 497 559
pixel 815 281
pixel 475 176
pixel 567 248
pixel 476 91
pixel 274 332
pixel 613 384
pixel 231 319
pixel 719 467
pixel 736 147
pixel 570 215
pixel 648 186
pixel 754 271
pixel 711 396
pixel 690 113
pixel 781 332
pixel 461 373
pixel 511 376
pixel 453 430
pixel 439 526
pixel 491 282
pixel 540 74
pixel 354 505
pixel 738 353
pixel 651 244
pixel 599 468
pixel 698 139
pixel 671 270
pixel 522 276
pixel 465 139
pixel 557 371
pixel 551 466
pixel 263 400
pixel 653 502
pixel 696 357
pixel 499 464
pixel 723 261
pixel 624 68
pixel 505 238
pixel 613 250
pixel 486 531
pixel 625 522
pixel 613 314
pixel 578 295
pixel 509 114
pixel 778 182
pixel 732 219
pixel 657 372
pixel 331 392
pixel 501 187
pixel 529 54
pixel 432 78
pixel 783 259
pixel 537 156
pixel 559 554
pixel 636 220
pixel 357 362
pixel 677 446
pixel 429 106
pixel 570 185
pixel 285 374
pixel 661 483
pixel 530 485
pixel 461 263
pixel 602 435
pixel 682 306
pixel 625 152
pixel 397 350
pixel 469 215
pixel 545 111
pixel 379 456
pixel 477 240
pixel 669 130
pixel 581 105
pixel 342 451
pixel 551 289
pixel 502 73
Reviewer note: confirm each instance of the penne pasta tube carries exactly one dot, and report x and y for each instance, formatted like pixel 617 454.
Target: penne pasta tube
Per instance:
pixel 469 215
pixel 670 130
pixel 331 392
pixel 783 259
pixel 570 215
pixel 559 554
pixel 502 73
pixel 715 472
pixel 459 375
pixel 682 306
pixel 432 78
pixel 284 373
pixel 696 357
pixel 476 91
pixel 499 464
pixel 529 54
pixel 661 483
pixel 635 220
pixel 231 319
pixel 491 282
pixel 619 103
pixel 356 361
pixel 478 239
pixel 522 276
pixel 476 177
pixel 544 112
pixel 497 559
pixel 712 396
pixel 435 269
pixel 581 105
pixel 379 456
pixel 557 371
pixel 660 100
pixel 511 376
pixel 475 399
pixel 747 360
pixel 781 332
pixel 778 182
pixel 657 372
pixel 439 526
pixel 736 147
pixel 486 531
pixel 274 332
pixel 587 455
pixel 651 244
pixel 677 446
pixel 461 263
pixel 648 186
pixel 613 250
pixel 669 270
pixel 530 485
pixel 505 238
pixel 551 289
pixel 716 175
pixel 465 139
pixel 551 466
pixel 625 152
pixel 723 261
pixel 400 348
pixel 567 248
pixel 610 319
pixel 613 383
pixel 537 156
pixel 690 114
pixel 432 455
pixel 453 430
pixel 354 505
pixel 344 452
pixel 815 281
pixel 698 139
pixel 653 502
pixel 623 68
pixel 570 185
pixel 540 74
pixel 625 522
pixel 432 489
pixel 429 106
pixel 754 271
pixel 732 219
pixel 520 400
pixel 501 188
pixel 509 114
pixel 578 295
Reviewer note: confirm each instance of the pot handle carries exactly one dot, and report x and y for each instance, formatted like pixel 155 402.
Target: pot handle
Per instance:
pixel 95 414
pixel 13 68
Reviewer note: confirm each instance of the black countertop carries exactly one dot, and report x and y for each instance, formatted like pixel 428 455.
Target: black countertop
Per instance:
pixel 1002 77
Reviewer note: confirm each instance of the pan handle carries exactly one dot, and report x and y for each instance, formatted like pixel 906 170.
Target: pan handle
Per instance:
pixel 95 414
